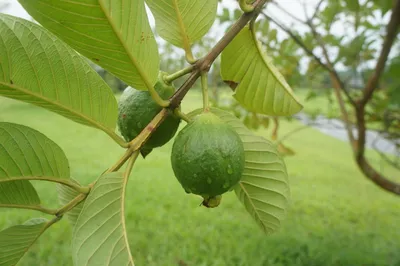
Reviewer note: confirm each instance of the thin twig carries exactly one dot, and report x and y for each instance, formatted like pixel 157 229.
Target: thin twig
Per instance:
pixel 204 64
pixel 284 10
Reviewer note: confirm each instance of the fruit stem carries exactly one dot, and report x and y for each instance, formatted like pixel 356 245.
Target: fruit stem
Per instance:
pixel 204 87
pixel 157 98
pixel 182 115
pixel 168 79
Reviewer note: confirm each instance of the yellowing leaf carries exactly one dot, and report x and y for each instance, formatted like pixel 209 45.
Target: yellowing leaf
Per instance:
pixel 262 89
pixel 114 34
pixel 181 22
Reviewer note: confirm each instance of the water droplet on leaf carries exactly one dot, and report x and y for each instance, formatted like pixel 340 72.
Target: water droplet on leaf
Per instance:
pixel 230 171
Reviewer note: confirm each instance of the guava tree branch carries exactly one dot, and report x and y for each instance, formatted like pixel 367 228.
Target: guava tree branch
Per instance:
pixel 288 13
pixel 337 82
pixel 391 33
pixel 204 64
pixel 201 66
pixel 358 145
pixel 297 40
pixel 318 6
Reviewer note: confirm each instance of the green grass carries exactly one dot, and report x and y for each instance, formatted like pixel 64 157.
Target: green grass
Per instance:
pixel 337 217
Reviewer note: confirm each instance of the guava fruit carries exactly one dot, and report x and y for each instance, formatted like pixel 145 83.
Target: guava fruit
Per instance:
pixel 136 109
pixel 208 158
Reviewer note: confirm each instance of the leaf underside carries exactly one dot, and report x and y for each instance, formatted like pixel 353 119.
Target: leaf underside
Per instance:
pixel 38 68
pixel 264 187
pixel 25 152
pixel 261 88
pixel 16 240
pixel 99 237
pixel 114 34
pixel 66 195
pixel 182 22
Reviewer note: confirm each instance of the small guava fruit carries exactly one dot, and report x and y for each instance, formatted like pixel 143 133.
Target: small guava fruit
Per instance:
pixel 136 109
pixel 208 158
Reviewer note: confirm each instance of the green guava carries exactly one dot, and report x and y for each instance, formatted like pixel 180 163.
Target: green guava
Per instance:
pixel 208 158
pixel 136 109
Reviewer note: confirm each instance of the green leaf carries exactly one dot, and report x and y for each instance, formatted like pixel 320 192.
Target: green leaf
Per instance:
pixel 264 187
pixel 65 195
pixel 25 152
pixel 16 240
pixel 38 68
pixel 353 5
pixel 99 237
pixel 114 34
pixel 225 16
pixel 182 22
pixel 262 89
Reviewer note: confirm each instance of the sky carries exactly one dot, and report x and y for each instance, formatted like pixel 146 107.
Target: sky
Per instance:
pixel 292 6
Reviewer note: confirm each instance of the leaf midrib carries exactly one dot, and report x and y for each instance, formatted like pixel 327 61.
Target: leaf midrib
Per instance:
pixel 252 205
pixel 264 60
pixel 57 104
pixel 119 37
pixel 123 222
pixel 186 43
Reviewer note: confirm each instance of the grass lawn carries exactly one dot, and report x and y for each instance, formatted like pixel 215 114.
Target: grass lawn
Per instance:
pixel 337 217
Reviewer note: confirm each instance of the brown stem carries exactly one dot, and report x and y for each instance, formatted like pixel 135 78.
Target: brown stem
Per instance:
pixel 366 168
pixel 284 10
pixel 298 41
pixel 392 30
pixel 316 9
pixel 338 83
pixel 204 64
pixel 359 106
pixel 274 135
pixel 376 177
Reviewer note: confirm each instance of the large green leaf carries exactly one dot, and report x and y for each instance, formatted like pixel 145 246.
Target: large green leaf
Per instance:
pixel 181 22
pixel 114 34
pixel 25 152
pixel 261 89
pixel 99 237
pixel 38 68
pixel 16 240
pixel 264 187
pixel 66 195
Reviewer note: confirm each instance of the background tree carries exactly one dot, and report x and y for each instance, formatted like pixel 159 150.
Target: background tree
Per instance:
pixel 347 45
